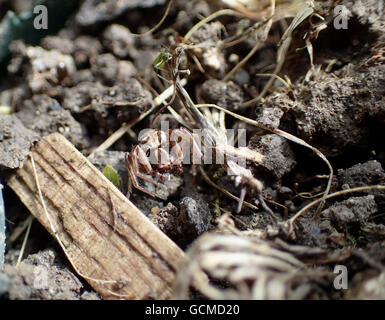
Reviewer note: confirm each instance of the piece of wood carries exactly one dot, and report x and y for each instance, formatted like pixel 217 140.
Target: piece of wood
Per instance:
pixel 105 236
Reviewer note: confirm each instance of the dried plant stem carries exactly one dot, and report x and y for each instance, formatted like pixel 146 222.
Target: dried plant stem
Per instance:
pixel 225 192
pixel 284 44
pixel 287 136
pixel 157 25
pixel 336 194
pixel 243 61
pixel 287 85
pixel 267 86
pixel 255 48
pixel 112 138
pixel 19 230
pixel 29 224
pixel 213 16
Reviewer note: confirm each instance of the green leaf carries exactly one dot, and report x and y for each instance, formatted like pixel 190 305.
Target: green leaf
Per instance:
pixel 162 57
pixel 112 175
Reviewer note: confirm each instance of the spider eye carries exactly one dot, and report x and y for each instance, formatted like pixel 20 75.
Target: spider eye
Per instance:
pixel 148 152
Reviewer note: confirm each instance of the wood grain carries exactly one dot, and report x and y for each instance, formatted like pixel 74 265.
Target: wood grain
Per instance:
pixel 106 237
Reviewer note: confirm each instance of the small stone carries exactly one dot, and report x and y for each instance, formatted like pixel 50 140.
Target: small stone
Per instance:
pixel 194 215
pixel 270 117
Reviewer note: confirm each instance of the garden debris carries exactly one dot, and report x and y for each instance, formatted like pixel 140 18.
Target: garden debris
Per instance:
pixel 104 225
pixel 252 265
pixel 112 175
pixel 280 69
pixel 247 268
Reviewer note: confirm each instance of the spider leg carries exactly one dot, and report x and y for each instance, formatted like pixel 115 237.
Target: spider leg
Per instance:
pixel 140 155
pixel 257 185
pixel 134 173
pixel 266 207
pixel 241 199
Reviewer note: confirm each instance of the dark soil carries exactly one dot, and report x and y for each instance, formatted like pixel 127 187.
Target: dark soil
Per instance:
pixel 94 76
